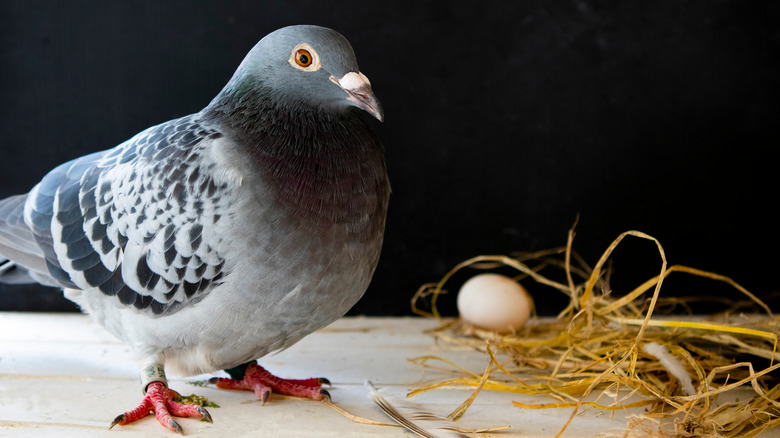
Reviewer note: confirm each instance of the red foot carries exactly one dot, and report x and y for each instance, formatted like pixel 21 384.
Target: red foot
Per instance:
pixel 159 399
pixel 257 379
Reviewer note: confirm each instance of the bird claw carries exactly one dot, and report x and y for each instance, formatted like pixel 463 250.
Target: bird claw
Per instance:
pixel 266 393
pixel 175 427
pixel 205 415
pixel 119 419
pixel 325 395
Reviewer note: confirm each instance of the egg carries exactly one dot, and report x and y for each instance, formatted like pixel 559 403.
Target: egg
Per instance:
pixel 494 302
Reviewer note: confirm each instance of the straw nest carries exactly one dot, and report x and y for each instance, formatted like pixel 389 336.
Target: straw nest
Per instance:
pixel 607 350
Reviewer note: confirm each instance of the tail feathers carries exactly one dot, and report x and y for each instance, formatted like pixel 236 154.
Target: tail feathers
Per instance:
pixel 11 273
pixel 21 260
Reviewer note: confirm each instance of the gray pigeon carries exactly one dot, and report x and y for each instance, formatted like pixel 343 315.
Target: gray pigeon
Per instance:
pixel 209 241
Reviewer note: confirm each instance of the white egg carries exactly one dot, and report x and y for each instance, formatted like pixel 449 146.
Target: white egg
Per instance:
pixel 494 302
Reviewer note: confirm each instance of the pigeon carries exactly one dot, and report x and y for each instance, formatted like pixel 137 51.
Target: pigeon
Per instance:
pixel 209 241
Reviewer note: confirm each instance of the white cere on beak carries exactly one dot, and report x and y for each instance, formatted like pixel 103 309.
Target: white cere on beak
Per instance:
pixel 359 92
pixel 352 80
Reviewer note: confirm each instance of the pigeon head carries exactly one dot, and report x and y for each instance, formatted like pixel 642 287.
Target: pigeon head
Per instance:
pixel 302 67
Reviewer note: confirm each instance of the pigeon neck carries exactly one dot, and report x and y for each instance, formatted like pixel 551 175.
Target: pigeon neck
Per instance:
pixel 290 130
pixel 324 168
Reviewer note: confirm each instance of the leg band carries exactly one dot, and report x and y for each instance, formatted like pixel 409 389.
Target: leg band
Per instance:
pixel 153 372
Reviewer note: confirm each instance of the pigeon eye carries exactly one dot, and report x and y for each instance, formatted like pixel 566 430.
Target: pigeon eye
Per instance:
pixel 304 57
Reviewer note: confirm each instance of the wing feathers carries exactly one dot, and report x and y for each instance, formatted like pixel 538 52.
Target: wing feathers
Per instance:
pixel 134 222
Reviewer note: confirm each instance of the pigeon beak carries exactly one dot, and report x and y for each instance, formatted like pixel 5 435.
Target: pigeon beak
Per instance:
pixel 359 92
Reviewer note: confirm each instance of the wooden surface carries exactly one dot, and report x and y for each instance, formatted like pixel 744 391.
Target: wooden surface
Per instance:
pixel 62 375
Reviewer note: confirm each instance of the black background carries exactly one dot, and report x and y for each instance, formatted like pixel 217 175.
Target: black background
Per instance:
pixel 504 121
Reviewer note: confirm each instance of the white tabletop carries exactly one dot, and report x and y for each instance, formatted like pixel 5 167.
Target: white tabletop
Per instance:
pixel 62 375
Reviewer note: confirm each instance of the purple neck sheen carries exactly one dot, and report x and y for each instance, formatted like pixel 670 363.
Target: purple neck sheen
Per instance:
pixel 324 168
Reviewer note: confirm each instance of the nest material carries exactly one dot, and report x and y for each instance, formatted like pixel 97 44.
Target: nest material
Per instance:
pixel 612 349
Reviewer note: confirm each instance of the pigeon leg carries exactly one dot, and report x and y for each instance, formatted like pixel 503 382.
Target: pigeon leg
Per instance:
pixel 259 380
pixel 159 399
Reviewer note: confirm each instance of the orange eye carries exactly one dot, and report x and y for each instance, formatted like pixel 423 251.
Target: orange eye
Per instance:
pixel 303 57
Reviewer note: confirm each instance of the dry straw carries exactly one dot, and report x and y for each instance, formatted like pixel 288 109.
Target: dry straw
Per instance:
pixel 611 353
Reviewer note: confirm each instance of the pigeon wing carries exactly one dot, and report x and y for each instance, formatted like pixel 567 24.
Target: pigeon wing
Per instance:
pixel 136 222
